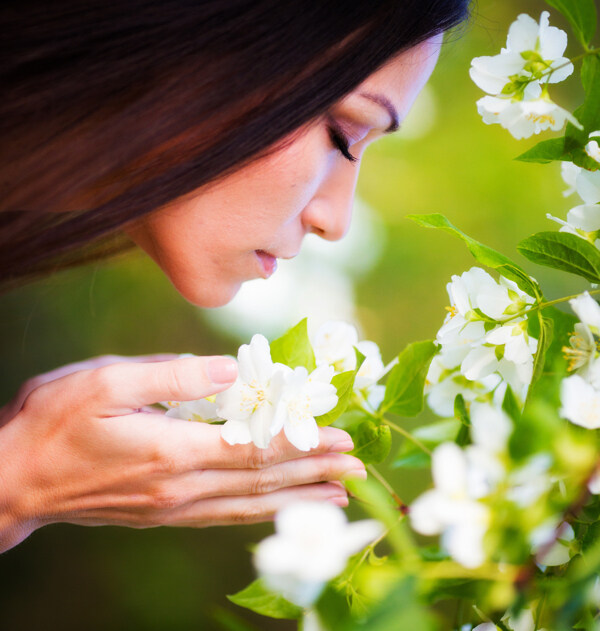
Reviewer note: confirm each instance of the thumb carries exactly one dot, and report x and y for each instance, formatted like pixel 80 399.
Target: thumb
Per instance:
pixel 122 387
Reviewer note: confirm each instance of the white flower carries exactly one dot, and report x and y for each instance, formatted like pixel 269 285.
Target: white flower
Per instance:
pixel 530 481
pixel 444 383
pixel 312 544
pixel 582 350
pixel 249 405
pixel 580 402
pixel 448 509
pixel 334 344
pixel 592 148
pixel 524 621
pixel 477 290
pixel 569 173
pixel 201 410
pixel 490 427
pixel 517 347
pixel 486 626
pixel 582 221
pixel 524 118
pixel 559 552
pixel 533 52
pixel 594 483
pixel 587 310
pixel 303 397
pixel 588 186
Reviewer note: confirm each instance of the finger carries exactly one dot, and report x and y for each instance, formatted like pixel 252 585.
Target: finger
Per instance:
pixel 197 485
pixel 121 387
pixel 251 509
pixel 88 364
pixel 179 446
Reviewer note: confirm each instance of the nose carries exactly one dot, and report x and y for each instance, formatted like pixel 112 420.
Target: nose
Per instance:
pixel 329 212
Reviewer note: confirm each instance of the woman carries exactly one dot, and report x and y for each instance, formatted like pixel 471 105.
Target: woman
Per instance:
pixel 214 135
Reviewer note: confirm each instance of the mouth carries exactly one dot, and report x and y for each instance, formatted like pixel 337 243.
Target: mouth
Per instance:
pixel 267 262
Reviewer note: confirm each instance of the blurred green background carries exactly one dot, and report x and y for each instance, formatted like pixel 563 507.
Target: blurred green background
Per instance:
pixel 66 577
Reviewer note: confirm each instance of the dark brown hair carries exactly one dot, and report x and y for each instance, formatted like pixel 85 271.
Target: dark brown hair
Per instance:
pixel 113 108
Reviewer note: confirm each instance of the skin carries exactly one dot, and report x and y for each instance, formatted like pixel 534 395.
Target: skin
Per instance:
pixel 81 444
pixel 206 243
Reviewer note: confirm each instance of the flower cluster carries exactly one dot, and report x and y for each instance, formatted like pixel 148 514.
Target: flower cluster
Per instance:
pixel 517 79
pixel 269 397
pixel 484 344
pixel 461 479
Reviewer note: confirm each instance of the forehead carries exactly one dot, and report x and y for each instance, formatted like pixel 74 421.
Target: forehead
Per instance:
pixel 402 78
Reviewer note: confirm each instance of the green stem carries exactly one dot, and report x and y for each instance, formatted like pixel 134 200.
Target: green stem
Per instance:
pixel 388 487
pixel 407 435
pixel 592 51
pixel 366 552
pixel 543 305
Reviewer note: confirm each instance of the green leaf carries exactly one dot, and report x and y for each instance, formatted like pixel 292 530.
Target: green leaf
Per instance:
pixel 344 385
pixel 581 15
pixel 564 251
pixel 462 414
pixel 510 405
pixel 404 387
pixel 484 254
pixel 372 443
pixel 545 151
pixel 258 598
pixel 294 348
pixel 415 459
pixel 411 456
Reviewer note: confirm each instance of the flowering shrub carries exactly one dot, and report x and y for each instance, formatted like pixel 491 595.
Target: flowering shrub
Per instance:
pixel 507 536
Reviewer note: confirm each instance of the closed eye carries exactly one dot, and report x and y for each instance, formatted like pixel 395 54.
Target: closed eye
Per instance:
pixel 339 141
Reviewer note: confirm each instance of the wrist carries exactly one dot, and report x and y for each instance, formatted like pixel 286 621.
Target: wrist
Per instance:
pixel 17 517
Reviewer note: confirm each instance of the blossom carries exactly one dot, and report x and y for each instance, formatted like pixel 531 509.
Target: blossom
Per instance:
pixel 533 52
pixel 549 548
pixel 582 348
pixel 249 405
pixel 449 508
pixel 312 544
pixel 592 148
pixel 588 311
pixel 334 343
pixel 523 621
pixel 445 382
pixel 303 397
pixel 529 482
pixel 580 402
pixel 476 290
pixel 201 410
pixel 490 427
pixel 569 173
pixel 582 221
pixel 524 118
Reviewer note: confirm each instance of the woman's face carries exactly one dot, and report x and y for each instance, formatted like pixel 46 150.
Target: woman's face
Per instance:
pixel 234 230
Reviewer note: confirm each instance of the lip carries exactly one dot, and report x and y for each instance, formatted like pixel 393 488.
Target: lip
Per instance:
pixel 267 261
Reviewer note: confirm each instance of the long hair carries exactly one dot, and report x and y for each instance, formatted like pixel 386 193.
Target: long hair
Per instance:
pixel 113 109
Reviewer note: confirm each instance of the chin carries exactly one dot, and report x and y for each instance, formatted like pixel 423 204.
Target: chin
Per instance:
pixel 208 297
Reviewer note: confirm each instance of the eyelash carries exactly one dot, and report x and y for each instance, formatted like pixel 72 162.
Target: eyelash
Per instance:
pixel 340 142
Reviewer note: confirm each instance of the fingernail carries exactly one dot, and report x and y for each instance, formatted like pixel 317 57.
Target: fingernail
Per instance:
pixel 222 370
pixel 341 500
pixel 355 473
pixel 344 445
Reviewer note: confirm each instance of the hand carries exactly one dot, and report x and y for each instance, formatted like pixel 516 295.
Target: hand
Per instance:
pixel 83 448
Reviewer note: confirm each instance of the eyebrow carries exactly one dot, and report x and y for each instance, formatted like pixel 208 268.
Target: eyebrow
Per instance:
pixel 387 105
